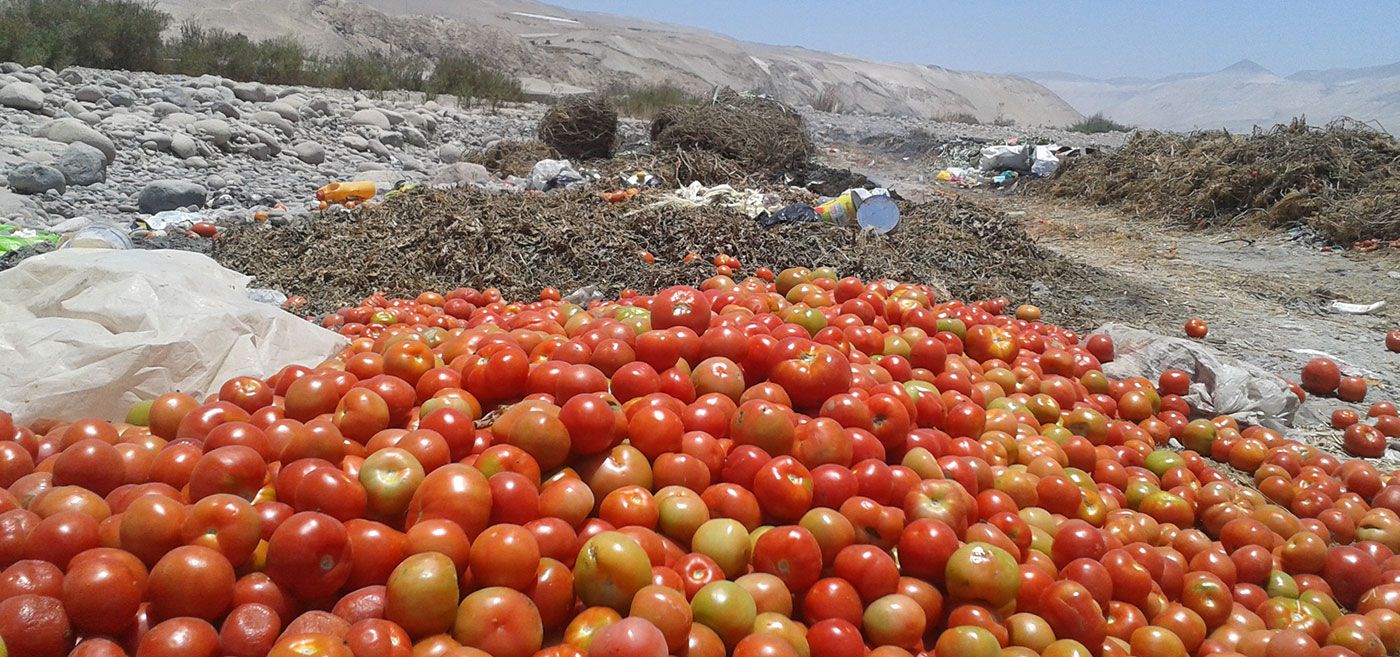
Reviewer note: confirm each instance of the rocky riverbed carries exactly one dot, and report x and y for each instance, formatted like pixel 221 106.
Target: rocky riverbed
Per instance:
pixel 82 146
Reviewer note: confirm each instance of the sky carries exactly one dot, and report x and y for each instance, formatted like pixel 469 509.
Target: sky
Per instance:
pixel 1097 39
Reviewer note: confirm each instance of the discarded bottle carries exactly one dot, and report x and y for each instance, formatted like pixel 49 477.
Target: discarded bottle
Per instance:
pixel 341 192
pixel 96 236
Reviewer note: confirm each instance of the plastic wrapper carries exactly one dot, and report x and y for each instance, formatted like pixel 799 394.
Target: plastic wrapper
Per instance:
pixel 89 332
pixel 1220 384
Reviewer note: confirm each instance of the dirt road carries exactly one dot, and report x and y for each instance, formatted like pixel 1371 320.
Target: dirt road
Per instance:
pixel 1264 297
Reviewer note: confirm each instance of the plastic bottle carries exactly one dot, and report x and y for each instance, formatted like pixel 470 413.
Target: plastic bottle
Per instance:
pixel 340 192
pixel 96 236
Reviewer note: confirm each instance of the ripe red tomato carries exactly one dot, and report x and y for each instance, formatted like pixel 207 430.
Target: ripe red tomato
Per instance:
pixel 309 556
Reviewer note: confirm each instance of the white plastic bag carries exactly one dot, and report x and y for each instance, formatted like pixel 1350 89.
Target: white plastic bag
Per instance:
pixel 1220 384
pixel 89 332
pixel 1002 158
pixel 1045 162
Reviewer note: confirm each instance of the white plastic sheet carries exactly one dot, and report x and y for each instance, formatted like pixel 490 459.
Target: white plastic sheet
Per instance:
pixel 89 332
pixel 1220 384
pixel 1002 158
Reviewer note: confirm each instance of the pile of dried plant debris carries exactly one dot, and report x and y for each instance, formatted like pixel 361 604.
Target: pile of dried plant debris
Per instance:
pixel 520 243
pixel 1342 180
pixel 762 135
pixel 580 127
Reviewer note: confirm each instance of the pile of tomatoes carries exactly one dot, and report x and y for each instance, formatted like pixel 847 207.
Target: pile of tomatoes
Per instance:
pixel 789 465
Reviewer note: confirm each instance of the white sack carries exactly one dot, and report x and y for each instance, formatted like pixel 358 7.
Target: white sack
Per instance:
pixel 1000 158
pixel 1220 384
pixel 89 332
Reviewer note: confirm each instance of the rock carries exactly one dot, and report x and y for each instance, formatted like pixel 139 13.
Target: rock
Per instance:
pixel 394 117
pixel 83 165
pixel 177 95
pixel 274 120
pixel 197 163
pixel 121 98
pixel 71 75
pixel 164 109
pixel 370 117
pixel 70 225
pixel 461 173
pixel 253 92
pixel 227 109
pixel 355 142
pixel 284 110
pixel 161 141
pixel 414 137
pixel 184 146
pixel 378 148
pixel 68 131
pixel 450 153
pixel 90 93
pixel 310 152
pixel 318 106
pixel 164 195
pixel 34 178
pixel 22 96
pixel 217 131
pixel 19 210
pixel 215 182
pixel 391 138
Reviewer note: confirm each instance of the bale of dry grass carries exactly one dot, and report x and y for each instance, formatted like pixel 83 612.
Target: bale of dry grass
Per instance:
pixel 1342 180
pixel 763 135
pixel 580 127
pixel 508 157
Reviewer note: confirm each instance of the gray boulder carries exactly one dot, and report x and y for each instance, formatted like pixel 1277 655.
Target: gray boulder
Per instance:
pixel 90 93
pixel 163 195
pixel 310 152
pixel 177 95
pixel 83 165
pixel 33 178
pixel 273 120
pixel 461 173
pixel 22 96
pixel 253 92
pixel 121 98
pixel 370 117
pixel 68 131
pixel 217 131
pixel 284 110
pixel 184 146
pixel 227 109
pixel 450 153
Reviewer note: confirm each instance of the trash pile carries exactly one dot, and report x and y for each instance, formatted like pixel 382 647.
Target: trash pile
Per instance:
pixel 1341 180
pixel 1003 165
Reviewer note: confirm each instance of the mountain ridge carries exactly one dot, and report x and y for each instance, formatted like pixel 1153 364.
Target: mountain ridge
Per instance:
pixel 556 49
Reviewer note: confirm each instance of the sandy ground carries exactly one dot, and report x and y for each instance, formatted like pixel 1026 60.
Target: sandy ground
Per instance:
pixel 1264 296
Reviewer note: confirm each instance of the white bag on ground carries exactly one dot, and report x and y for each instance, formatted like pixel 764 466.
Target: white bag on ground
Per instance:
pixel 1045 162
pixel 1220 384
pixel 1001 158
pixel 89 332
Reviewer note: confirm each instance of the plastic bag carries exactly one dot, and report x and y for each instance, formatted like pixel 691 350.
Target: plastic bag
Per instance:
pixel 89 332
pixel 553 174
pixel 14 239
pixel 1220 384
pixel 1045 162
pixel 1002 158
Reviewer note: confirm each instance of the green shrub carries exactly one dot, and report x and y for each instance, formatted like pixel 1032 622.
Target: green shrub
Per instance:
pixel 118 34
pixel 463 77
pixel 1099 123
pixel 960 117
pixel 646 101
pixel 374 71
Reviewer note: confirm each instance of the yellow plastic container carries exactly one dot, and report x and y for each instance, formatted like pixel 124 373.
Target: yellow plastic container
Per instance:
pixel 840 210
pixel 340 192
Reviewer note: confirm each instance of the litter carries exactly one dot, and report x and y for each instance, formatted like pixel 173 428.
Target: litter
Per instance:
pixel 792 214
pixel 871 208
pixel 155 320
pixel 97 236
pixel 1045 162
pixel 1355 308
pixel 13 238
pixel 751 202
pixel 1001 158
pixel 344 192
pixel 1221 385
pixel 169 219
pixel 549 175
